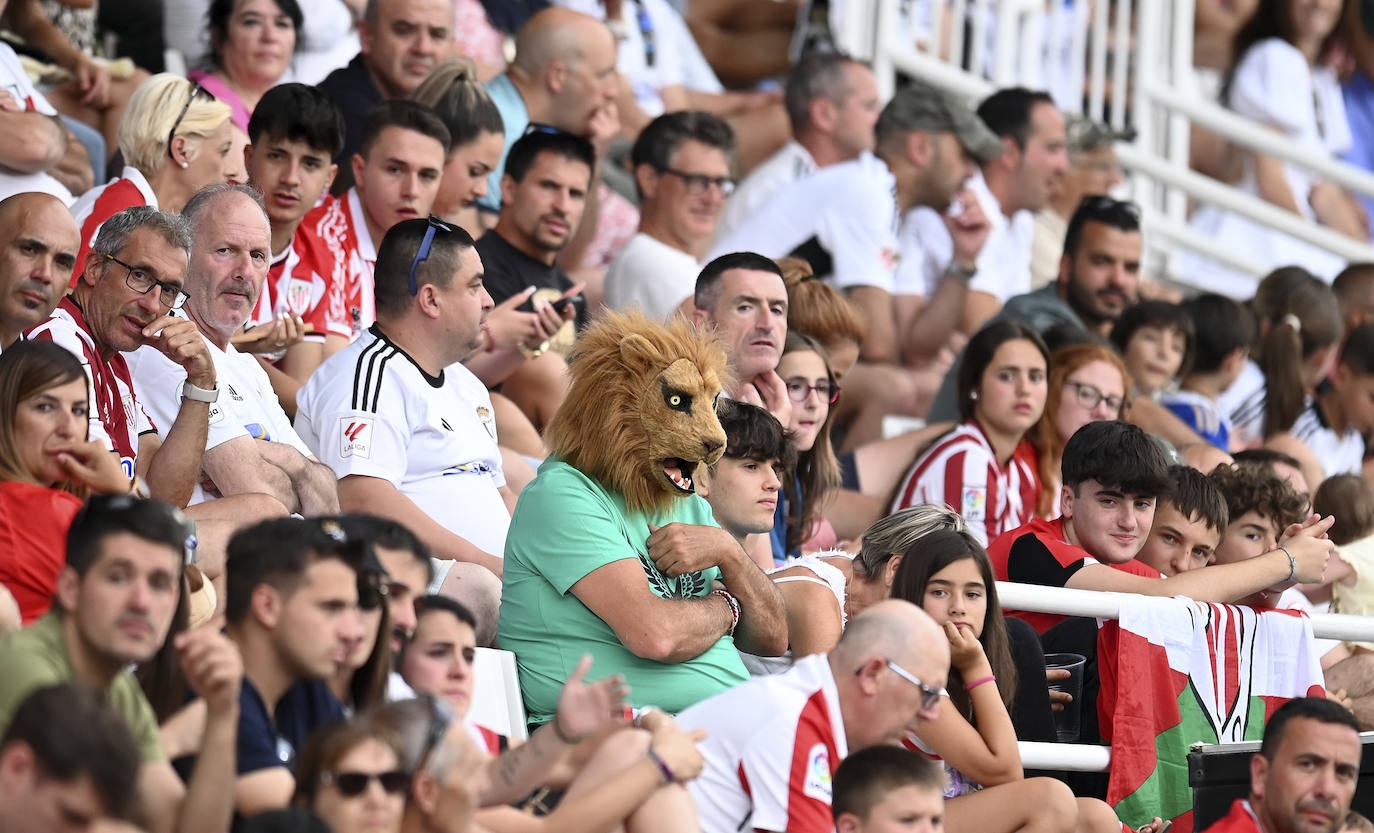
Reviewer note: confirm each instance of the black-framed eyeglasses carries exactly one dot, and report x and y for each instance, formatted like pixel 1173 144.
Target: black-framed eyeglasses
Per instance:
pixel 798 390
pixel 352 784
pixel 170 294
pixel 196 89
pixel 930 698
pixel 1089 397
pixel 698 183
pixel 440 718
pixel 422 254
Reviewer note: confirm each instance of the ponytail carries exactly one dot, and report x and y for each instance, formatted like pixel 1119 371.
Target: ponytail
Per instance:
pixel 1299 316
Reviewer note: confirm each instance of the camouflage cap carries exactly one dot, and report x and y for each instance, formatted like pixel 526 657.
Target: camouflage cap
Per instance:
pixel 1083 134
pixel 923 106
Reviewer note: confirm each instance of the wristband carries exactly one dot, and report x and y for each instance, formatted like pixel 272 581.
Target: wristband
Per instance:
pixel 668 776
pixel 1292 563
pixel 198 394
pixel 558 733
pixel 734 609
pixel 988 679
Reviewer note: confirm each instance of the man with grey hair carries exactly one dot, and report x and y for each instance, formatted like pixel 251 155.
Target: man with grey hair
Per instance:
pixel 250 446
pixel 402 42
pixel 832 103
pixel 130 284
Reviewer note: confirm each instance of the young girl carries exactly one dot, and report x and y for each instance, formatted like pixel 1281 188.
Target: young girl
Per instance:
pixel 950 577
pixel 985 468
pixel 1156 341
pixel 1088 383
pixel 1340 415
pixel 798 524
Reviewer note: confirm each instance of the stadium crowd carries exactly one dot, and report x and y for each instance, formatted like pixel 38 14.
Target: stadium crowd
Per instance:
pixel 341 358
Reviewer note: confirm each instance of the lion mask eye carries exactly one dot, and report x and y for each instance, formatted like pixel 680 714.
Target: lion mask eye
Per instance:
pixel 677 400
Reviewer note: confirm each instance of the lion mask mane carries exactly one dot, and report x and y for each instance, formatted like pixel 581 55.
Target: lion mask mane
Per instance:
pixel 640 413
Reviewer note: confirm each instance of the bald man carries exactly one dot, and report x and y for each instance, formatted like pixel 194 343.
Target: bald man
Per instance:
pixel 38 245
pixel 563 76
pixel 774 742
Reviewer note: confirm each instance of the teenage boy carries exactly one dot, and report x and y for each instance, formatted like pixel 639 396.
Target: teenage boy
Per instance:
pixel 1189 522
pixel 743 486
pixel 885 788
pixel 295 131
pixel 1261 505
pixel 1224 330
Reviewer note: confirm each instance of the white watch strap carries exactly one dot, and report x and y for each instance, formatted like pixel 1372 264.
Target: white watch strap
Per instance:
pixel 198 394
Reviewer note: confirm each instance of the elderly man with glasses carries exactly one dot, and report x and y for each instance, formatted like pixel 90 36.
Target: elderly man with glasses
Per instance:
pixel 407 429
pixel 247 445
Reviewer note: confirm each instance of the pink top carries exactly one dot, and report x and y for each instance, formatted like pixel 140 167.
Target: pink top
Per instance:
pixel 222 91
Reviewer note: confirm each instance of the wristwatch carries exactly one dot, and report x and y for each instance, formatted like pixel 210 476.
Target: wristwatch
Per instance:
pixel 190 391
pixel 959 273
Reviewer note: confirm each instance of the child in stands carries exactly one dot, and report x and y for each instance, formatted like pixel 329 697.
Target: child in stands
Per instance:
pixel 1156 341
pixel 1225 330
pixel 1189 522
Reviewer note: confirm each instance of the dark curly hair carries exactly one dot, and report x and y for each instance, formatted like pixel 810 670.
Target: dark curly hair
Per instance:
pixel 1255 489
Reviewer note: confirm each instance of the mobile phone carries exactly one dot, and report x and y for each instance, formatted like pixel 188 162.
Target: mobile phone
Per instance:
pixel 569 303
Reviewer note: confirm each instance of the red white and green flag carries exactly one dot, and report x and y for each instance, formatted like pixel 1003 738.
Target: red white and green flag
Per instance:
pixel 1175 672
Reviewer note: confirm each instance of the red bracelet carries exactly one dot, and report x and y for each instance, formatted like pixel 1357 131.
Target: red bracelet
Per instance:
pixel 988 679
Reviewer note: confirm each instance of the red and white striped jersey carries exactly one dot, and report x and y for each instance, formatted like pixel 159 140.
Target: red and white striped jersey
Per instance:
pixel 773 744
pixel 103 202
pixel 294 286
pixel 117 419
pixel 344 253
pixel 961 471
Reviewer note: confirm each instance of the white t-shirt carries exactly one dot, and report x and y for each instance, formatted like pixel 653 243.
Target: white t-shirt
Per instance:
pixel 15 81
pixel 1004 262
pixel 790 163
pixel 651 275
pixel 247 404
pixel 1338 453
pixel 843 219
pixel 370 410
pixel 1242 404
pixel 773 745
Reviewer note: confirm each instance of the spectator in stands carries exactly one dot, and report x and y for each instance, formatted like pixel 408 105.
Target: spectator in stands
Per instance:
pixel 175 139
pixel 832 103
pixel 1300 329
pixel 1354 288
pixel 250 447
pixel 1009 187
pixel 350 775
pixel 360 682
pixel 682 175
pixel 251 46
pixel 1261 508
pixel 812 387
pixel 1225 330
pixel 1335 421
pixel 409 570
pixel 402 41
pixel 419 446
pixel 68 761
pixel 818 310
pixel 1304 775
pixel 43 154
pixel 743 297
pixel 1284 465
pixel 294 133
pixel 884 675
pixel 744 486
pixel 454 92
pixel 114 607
pixel 1093 172
pixel 1189 522
pixel 880 786
pixel 1279 78
pixel 842 219
pixel 883 546
pixel 1088 383
pixel 292 610
pixel 47 464
pixel 37 256
pixel 987 465
pixel 399 163
pixel 950 577
pixel 1156 341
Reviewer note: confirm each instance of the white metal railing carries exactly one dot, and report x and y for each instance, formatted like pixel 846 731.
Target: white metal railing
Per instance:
pixel 1064 47
pixel 1081 757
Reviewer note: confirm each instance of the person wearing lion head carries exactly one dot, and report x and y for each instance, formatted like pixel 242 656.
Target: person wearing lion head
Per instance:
pixel 611 552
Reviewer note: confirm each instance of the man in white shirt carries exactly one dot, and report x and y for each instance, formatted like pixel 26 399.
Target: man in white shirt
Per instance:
pixel 407 429
pixel 832 102
pixel 251 446
pixel 682 173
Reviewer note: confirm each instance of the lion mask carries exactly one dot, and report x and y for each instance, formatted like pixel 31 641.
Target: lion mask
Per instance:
pixel 640 414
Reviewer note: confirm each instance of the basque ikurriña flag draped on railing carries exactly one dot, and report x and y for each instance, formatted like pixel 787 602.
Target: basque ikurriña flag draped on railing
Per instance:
pixel 1175 672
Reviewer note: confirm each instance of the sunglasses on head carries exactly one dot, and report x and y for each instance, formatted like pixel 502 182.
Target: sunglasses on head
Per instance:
pixel 422 254
pixel 196 89
pixel 351 784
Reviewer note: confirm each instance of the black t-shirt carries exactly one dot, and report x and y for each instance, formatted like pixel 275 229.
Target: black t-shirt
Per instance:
pixel 510 271
pixel 354 92
pixel 265 742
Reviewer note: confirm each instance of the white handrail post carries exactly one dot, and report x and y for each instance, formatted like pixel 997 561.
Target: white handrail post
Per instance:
pixel 1146 61
pixel 1097 86
pixel 1121 62
pixel 1181 76
pixel 884 40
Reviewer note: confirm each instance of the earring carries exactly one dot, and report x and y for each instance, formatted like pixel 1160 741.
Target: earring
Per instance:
pixel 973 394
pixel 185 164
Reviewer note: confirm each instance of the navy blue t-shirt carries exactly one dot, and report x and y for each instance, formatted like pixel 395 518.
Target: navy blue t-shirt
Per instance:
pixel 264 743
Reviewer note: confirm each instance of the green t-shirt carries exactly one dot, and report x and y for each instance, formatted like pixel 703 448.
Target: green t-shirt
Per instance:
pixel 564 527
pixel 36 657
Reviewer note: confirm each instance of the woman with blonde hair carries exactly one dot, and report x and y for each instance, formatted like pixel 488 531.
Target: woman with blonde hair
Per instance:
pixel 175 138
pixel 1088 383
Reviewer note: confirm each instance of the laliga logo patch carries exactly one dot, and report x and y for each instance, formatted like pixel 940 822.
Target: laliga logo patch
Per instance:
pixel 975 503
pixel 355 437
pixel 817 783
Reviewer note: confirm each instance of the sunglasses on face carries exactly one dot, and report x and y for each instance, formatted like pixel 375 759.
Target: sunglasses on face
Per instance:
pixel 352 784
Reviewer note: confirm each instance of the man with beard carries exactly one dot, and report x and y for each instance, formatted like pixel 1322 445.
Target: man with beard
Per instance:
pixel 1304 776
